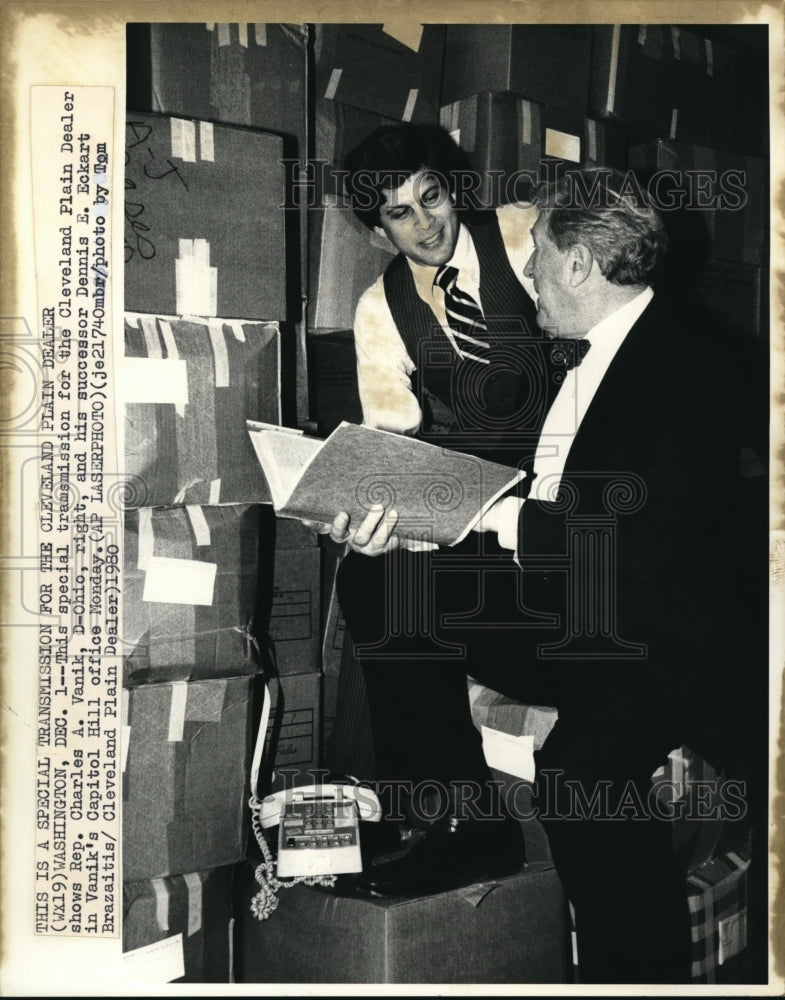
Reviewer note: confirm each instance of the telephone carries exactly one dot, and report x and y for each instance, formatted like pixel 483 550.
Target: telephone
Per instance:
pixel 319 827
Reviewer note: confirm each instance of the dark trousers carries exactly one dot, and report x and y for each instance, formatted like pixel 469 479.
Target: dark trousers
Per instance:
pixel 421 623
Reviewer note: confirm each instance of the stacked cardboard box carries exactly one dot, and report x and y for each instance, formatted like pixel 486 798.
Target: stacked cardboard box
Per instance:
pixel 662 82
pixel 510 930
pixel 192 915
pixel 205 296
pixel 513 141
pixel 237 74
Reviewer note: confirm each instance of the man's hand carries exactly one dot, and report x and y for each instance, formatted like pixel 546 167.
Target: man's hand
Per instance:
pixel 373 537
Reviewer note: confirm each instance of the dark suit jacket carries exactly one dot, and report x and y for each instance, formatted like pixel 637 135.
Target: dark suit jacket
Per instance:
pixel 640 542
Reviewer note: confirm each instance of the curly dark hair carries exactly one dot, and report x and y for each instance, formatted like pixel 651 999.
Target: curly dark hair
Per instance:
pixel 611 214
pixel 389 156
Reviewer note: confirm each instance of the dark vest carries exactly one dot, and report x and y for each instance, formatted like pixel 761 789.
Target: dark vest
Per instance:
pixel 495 410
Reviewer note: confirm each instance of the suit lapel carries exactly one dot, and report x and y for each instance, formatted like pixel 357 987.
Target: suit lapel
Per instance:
pixel 619 395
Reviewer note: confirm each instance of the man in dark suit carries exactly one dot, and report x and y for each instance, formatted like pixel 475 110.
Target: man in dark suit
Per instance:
pixel 623 614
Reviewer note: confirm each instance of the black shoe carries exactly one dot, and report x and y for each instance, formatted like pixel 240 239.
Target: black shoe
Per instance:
pixel 451 854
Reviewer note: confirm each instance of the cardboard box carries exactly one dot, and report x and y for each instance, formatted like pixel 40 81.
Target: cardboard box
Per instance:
pixel 198 907
pixel 190 586
pixel 293 732
pixel 393 70
pixel 346 258
pixel 189 386
pixel 338 129
pixel 335 393
pixel 663 81
pixel 511 930
pixel 717 897
pixel 294 617
pixel 516 138
pixel 204 228
pixel 238 74
pixel 185 776
pixel 546 63
pixel 736 296
pixel 727 193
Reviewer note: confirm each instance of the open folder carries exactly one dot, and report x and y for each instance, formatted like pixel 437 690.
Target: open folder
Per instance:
pixel 439 494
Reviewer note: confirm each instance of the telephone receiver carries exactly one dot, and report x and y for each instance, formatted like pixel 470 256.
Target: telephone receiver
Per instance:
pixel 365 800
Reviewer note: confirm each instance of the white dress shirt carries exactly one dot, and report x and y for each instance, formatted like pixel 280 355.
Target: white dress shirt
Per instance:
pixel 384 367
pixel 566 413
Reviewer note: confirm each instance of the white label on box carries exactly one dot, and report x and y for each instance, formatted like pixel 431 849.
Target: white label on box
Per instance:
pixel 511 754
pixel 177 708
pixel 160 962
pixel 563 145
pixel 153 380
pixel 179 581
pixel 733 936
pixel 332 84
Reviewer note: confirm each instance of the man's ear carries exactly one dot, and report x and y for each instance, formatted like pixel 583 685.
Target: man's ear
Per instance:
pixel 580 260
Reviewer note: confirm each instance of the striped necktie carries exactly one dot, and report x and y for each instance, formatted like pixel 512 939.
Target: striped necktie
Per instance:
pixel 464 316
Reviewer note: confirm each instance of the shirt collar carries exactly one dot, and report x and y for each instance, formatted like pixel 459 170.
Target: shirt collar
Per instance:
pixel 618 324
pixel 464 258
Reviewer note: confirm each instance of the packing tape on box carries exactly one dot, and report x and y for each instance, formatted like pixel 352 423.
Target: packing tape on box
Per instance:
pixel 591 140
pixel 674 123
pixel 215 330
pixel 161 903
pixel 154 380
pixel 215 492
pixel 260 34
pixel 242 35
pixel 236 326
pixel 183 139
pixel 152 342
pixel 168 337
pixel 196 283
pixel 177 708
pixel 206 142
pixel 411 101
pixel 562 145
pixel 126 729
pixel 709 56
pixel 193 884
pixel 179 581
pixel 613 69
pixel 223 33
pixel 676 40
pixel 332 84
pixel 475 894
pixel 145 538
pixel 201 528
